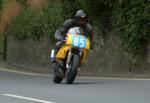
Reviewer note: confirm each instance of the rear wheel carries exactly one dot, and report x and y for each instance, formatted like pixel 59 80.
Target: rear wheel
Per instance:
pixel 72 71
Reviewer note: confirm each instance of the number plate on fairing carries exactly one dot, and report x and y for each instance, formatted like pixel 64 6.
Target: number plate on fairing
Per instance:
pixel 79 41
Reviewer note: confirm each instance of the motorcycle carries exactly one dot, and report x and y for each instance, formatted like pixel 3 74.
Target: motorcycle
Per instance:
pixel 71 56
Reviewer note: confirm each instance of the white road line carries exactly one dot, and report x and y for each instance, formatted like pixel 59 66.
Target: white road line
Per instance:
pixel 115 78
pixel 27 98
pixel 47 75
pixel 24 72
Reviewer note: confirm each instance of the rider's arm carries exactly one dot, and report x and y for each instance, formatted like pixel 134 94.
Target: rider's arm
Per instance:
pixel 61 32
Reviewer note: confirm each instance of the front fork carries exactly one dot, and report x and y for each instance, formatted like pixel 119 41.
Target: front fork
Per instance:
pixel 68 59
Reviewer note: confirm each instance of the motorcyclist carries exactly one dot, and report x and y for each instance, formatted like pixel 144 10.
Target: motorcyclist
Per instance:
pixel 80 20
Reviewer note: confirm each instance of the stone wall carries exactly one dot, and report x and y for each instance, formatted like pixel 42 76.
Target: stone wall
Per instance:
pixel 107 58
pixel 29 54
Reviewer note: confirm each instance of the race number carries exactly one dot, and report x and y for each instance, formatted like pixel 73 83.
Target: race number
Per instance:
pixel 79 42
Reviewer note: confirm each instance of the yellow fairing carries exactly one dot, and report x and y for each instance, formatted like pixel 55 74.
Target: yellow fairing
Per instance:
pixel 62 52
pixel 68 44
pixel 85 54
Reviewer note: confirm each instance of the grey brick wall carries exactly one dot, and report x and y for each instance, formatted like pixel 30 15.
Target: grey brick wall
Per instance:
pixel 107 57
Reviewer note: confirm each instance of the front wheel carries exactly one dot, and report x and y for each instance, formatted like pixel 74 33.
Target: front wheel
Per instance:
pixel 72 71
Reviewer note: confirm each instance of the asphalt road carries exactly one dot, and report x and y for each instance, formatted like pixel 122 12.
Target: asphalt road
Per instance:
pixel 25 88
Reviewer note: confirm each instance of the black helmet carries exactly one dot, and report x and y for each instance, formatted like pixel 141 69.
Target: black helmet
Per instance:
pixel 80 14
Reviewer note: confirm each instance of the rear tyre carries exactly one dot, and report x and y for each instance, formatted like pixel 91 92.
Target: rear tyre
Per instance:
pixel 72 72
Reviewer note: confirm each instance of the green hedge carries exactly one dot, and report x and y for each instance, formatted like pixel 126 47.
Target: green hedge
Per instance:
pixel 131 19
pixel 128 18
pixel 35 23
pixel 0 4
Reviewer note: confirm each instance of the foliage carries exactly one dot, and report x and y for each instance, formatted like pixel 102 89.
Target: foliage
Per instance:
pixel 1 1
pixel 22 2
pixel 129 18
pixel 132 21
pixel 53 13
pixel 69 7
pixel 35 23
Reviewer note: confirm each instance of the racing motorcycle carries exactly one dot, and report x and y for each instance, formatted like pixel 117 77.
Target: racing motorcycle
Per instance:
pixel 71 56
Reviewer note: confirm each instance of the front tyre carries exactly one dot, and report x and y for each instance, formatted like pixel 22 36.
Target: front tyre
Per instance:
pixel 72 71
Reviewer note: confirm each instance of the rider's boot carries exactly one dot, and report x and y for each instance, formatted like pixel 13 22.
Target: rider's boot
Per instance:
pixel 53 60
pixel 57 69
